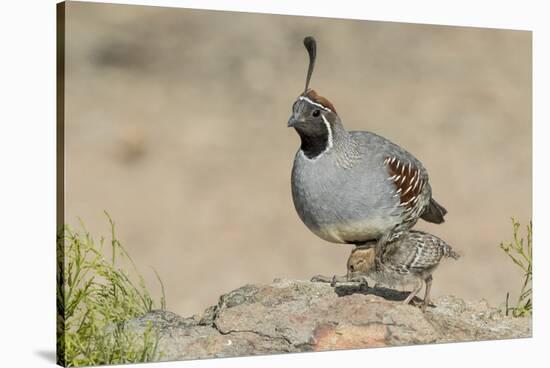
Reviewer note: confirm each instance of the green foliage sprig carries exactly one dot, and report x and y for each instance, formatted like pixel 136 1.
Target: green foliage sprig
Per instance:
pixel 521 253
pixel 95 297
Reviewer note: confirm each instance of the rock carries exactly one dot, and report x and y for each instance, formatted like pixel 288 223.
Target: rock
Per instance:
pixel 295 316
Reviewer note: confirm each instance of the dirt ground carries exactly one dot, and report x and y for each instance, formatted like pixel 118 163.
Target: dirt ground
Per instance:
pixel 176 125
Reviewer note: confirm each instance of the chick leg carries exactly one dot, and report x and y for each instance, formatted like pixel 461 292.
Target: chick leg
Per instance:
pixel 414 292
pixel 321 278
pixel 357 278
pixel 329 280
pixel 428 282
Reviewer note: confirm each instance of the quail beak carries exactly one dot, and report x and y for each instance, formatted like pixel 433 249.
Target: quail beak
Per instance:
pixel 292 122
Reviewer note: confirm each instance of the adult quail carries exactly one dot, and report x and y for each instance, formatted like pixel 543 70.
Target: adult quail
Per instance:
pixel 353 186
pixel 409 257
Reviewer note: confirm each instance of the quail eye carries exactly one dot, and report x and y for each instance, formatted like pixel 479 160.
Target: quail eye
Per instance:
pixel 316 113
pixel 351 268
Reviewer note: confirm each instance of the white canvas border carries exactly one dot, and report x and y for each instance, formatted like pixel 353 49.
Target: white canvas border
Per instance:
pixel 27 185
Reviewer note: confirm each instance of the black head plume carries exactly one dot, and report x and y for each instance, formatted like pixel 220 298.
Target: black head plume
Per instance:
pixel 311 47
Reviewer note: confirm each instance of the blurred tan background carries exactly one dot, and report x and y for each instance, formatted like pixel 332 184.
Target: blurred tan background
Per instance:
pixel 176 125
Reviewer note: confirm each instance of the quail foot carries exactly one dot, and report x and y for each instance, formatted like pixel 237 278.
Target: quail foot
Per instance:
pixel 353 186
pixel 409 257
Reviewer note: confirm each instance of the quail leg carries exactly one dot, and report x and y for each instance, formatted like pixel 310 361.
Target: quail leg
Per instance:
pixel 338 280
pixel 428 282
pixel 321 278
pixel 366 245
pixel 329 280
pixel 414 292
pixel 357 278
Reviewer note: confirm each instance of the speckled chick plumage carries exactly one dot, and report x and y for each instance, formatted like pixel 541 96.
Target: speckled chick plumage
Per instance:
pixel 408 257
pixel 353 186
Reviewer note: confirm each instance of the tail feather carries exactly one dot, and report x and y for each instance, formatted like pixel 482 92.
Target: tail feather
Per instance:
pixel 434 212
pixel 452 254
pixel 448 251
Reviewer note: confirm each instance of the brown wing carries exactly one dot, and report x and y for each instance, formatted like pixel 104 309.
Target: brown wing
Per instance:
pixel 408 180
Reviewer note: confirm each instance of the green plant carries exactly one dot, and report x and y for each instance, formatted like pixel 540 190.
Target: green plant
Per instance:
pixel 521 253
pixel 95 297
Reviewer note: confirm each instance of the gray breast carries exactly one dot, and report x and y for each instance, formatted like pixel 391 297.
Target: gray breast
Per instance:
pixel 345 198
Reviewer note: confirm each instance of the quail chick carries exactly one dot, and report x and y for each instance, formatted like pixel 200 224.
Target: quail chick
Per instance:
pixel 409 257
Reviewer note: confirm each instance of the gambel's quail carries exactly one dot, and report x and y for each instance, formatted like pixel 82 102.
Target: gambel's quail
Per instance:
pixel 353 186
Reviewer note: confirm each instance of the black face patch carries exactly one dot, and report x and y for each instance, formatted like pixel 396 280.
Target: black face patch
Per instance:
pixel 314 133
pixel 314 145
pixel 312 124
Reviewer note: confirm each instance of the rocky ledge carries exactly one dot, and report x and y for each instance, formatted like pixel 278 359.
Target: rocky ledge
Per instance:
pixel 297 316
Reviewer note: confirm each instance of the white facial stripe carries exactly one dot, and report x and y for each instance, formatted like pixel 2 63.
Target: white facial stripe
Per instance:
pixel 329 145
pixel 314 103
